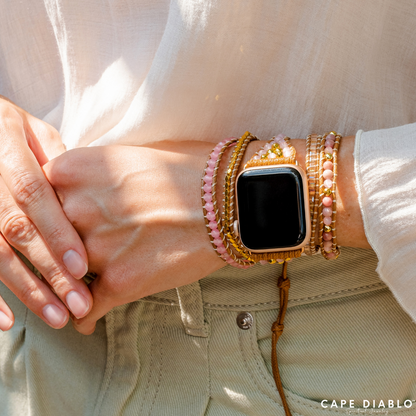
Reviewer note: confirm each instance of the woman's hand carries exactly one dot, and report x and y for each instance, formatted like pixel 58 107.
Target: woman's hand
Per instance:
pixel 32 221
pixel 138 211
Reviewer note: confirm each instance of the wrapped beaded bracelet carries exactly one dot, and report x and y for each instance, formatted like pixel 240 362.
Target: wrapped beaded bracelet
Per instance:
pixel 328 163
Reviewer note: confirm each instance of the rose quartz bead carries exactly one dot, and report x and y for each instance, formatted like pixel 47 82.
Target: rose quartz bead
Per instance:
pixel 263 262
pixel 215 233
pixel 230 261
pixel 327 220
pixel 286 152
pixel 208 179
pixel 327 201
pixel 214 154
pixel 257 157
pixel 213 226
pixel 271 156
pixel 280 136
pixel 225 256
pixel 267 146
pixel 209 171
pixel 327 236
pixel 328 246
pixel 328 183
pixel 218 242
pixel 327 212
pixel 210 216
pixel 282 143
pixel 207 188
pixel 221 249
pixel 217 148
pixel 279 260
pixel 211 163
pixel 328 165
pixel 329 150
pixel 328 174
pixel 261 153
pixel 209 206
pixel 207 197
pixel 329 143
pixel 330 137
pixel 330 256
pixel 222 143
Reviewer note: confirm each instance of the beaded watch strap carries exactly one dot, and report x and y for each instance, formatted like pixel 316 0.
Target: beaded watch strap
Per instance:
pixel 328 172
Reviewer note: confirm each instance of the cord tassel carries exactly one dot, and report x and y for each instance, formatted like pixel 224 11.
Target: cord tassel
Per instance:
pixel 283 284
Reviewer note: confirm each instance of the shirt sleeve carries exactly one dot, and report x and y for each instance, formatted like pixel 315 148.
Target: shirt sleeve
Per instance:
pixel 385 169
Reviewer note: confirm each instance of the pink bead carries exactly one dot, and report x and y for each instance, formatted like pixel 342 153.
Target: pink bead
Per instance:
pixel 208 197
pixel 286 152
pixel 261 152
pixel 222 143
pixel 327 212
pixel 221 249
pixel 329 143
pixel 328 165
pixel 280 136
pixel 225 256
pixel 217 148
pixel 327 236
pixel 328 246
pixel 208 179
pixel 329 150
pixel 271 156
pixel 257 157
pixel 218 242
pixel 207 188
pixel 214 155
pixel 210 216
pixel 327 220
pixel 211 163
pixel 327 201
pixel 328 183
pixel 279 260
pixel 267 146
pixel 213 226
pixel 282 143
pixel 209 171
pixel 330 256
pixel 215 233
pixel 231 261
pixel 263 262
pixel 330 137
pixel 328 174
pixel 209 206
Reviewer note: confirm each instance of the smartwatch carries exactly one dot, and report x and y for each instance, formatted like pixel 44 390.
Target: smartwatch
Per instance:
pixel 272 203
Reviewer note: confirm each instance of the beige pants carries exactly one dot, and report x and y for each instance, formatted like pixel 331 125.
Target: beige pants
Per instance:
pixel 181 352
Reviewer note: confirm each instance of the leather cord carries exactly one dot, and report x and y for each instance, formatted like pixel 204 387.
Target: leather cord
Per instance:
pixel 283 284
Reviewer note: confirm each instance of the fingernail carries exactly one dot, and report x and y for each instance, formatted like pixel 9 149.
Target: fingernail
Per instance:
pixel 5 322
pixel 54 315
pixel 77 304
pixel 74 263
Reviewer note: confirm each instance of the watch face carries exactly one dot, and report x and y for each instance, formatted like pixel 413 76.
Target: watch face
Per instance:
pixel 271 208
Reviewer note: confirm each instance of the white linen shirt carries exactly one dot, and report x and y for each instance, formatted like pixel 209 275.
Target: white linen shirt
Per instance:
pixel 138 71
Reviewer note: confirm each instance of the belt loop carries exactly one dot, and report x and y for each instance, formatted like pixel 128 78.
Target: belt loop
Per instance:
pixel 192 309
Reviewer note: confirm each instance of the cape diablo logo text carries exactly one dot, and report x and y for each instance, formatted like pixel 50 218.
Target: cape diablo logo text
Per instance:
pixel 372 404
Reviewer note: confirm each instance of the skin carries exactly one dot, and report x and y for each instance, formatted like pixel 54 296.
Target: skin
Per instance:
pixel 133 212
pixel 141 220
pixel 42 235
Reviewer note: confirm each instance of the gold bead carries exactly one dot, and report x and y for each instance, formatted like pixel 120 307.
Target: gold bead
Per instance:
pixel 334 133
pixel 279 153
pixel 328 156
pixel 327 229
pixel 328 191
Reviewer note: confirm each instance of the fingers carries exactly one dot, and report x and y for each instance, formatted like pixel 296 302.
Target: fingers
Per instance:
pixel 103 303
pixel 34 195
pixel 6 316
pixel 21 233
pixel 29 289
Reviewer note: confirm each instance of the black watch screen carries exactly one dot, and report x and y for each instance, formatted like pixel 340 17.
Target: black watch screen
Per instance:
pixel 271 208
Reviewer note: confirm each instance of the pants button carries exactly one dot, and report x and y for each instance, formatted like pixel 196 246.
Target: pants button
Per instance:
pixel 245 320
